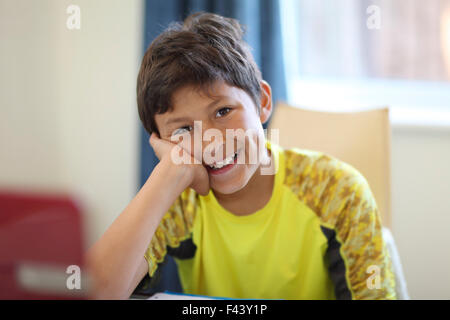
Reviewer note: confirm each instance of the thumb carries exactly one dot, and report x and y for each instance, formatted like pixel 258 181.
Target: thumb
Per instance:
pixel 153 139
pixel 159 145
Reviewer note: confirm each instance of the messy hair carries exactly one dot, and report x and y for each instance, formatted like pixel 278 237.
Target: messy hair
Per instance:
pixel 205 48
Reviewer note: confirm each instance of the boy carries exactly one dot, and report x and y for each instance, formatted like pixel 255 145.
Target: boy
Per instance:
pixel 309 230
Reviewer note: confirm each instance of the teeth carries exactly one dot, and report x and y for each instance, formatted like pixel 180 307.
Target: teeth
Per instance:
pixel 224 163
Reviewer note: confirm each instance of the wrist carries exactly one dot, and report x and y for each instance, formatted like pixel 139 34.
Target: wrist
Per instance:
pixel 179 174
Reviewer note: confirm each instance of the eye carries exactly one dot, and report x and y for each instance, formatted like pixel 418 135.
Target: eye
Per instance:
pixel 183 130
pixel 223 112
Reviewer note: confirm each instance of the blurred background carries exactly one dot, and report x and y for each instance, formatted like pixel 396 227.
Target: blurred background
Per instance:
pixel 69 122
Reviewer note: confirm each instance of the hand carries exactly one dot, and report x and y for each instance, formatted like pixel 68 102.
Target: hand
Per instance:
pixel 196 174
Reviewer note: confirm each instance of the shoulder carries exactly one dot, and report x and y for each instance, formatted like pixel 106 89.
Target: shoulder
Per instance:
pixel 188 200
pixel 326 184
pixel 314 169
pixel 179 219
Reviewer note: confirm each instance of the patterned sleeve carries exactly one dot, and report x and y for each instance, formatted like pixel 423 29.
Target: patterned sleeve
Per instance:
pixel 360 265
pixel 175 227
pixel 358 259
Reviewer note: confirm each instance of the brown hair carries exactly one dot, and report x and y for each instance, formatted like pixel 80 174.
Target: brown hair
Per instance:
pixel 205 48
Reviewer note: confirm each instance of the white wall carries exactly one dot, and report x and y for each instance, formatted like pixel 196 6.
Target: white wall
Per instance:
pixel 69 119
pixel 421 208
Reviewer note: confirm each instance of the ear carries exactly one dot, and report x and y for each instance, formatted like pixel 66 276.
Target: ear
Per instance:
pixel 266 102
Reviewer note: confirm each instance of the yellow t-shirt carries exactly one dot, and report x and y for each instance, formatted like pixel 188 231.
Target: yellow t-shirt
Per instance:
pixel 318 237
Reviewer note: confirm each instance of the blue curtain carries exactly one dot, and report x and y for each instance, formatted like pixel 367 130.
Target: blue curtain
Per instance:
pixel 262 21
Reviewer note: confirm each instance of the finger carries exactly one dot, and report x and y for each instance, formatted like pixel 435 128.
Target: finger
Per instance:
pixel 164 148
pixel 157 143
pixel 184 142
pixel 154 136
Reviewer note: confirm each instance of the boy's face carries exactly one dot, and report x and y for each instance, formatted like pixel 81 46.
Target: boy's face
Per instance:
pixel 196 114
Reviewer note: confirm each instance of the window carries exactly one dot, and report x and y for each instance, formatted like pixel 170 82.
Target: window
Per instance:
pixel 348 54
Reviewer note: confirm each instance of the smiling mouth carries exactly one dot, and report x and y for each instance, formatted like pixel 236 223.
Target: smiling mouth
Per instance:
pixel 226 163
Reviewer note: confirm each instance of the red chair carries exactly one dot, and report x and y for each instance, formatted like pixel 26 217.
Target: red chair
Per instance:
pixel 41 247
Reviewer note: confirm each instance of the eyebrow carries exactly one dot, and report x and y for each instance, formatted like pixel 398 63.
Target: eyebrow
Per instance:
pixel 186 119
pixel 176 120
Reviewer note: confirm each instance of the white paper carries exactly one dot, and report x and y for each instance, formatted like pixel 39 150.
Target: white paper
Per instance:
pixel 171 296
